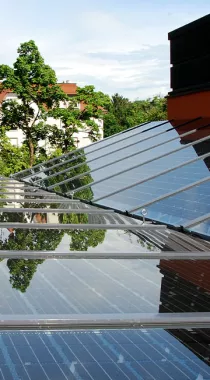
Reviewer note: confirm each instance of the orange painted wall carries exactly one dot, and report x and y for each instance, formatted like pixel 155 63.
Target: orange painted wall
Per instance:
pixel 190 106
pixel 184 108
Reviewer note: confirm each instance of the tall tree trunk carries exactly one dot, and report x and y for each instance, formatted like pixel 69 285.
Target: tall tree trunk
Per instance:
pixel 66 144
pixel 31 151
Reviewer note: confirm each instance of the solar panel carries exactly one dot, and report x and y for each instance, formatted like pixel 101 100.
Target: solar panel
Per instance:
pixel 148 190
pixel 130 150
pixel 73 155
pixel 151 166
pixel 181 208
pixel 148 166
pixel 135 289
pixel 85 274
pixel 129 354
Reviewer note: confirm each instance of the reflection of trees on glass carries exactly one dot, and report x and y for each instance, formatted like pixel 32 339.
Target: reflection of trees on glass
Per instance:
pixel 22 272
pixel 147 245
pixel 81 240
pixel 41 240
pixel 82 167
pixel 142 240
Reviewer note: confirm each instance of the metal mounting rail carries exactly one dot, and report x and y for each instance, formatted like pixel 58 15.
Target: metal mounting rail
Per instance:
pixel 69 169
pixel 149 178
pixel 170 194
pixel 36 192
pixel 23 187
pixel 105 321
pixel 9 181
pixel 58 210
pixel 77 255
pixel 196 221
pixel 87 153
pixel 82 226
pixel 37 200
pixel 79 149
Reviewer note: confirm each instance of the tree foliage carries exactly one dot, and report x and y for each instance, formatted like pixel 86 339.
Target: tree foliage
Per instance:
pixel 75 119
pixel 35 85
pixel 124 114
pixel 12 158
pixel 40 97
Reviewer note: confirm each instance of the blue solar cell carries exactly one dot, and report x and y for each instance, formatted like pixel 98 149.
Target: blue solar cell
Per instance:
pixel 183 207
pixel 90 148
pixel 63 287
pixel 153 354
pixel 202 228
pixel 94 159
pixel 90 179
pixel 149 190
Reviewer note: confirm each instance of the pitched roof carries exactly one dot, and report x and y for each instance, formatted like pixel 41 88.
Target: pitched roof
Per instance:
pixel 68 88
pixel 145 167
pixel 3 94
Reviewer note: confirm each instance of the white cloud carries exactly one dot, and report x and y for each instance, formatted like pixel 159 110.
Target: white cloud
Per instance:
pixel 123 50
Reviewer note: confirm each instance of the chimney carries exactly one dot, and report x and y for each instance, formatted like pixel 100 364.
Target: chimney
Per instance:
pixel 190 73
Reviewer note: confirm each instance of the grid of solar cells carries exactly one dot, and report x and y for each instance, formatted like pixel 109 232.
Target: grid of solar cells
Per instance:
pixel 130 354
pixel 63 287
pixel 73 156
pixel 138 147
pixel 42 219
pixel 202 228
pixel 116 287
pixel 181 208
pixel 133 143
pixel 130 159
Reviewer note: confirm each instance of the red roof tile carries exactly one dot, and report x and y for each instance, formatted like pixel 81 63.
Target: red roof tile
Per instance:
pixel 68 88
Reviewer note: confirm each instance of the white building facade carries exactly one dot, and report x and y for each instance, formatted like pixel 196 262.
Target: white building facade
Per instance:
pixel 81 138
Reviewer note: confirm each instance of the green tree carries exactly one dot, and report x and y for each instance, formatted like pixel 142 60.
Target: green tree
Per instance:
pixel 92 108
pixel 124 114
pixel 12 158
pixel 35 84
pixel 119 116
pixel 153 109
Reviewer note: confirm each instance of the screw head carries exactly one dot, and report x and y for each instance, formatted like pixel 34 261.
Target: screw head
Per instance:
pixel 144 212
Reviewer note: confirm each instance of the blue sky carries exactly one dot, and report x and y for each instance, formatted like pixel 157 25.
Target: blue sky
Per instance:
pixel 119 45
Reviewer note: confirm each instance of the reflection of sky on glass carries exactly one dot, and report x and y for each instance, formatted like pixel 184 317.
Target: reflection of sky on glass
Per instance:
pixel 120 287
pixel 4 234
pixel 115 241
pixel 85 286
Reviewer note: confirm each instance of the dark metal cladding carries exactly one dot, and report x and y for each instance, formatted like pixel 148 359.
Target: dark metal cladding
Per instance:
pixel 190 41
pixel 190 56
